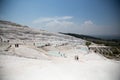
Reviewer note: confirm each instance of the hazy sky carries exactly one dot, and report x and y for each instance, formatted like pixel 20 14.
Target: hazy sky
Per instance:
pixel 92 17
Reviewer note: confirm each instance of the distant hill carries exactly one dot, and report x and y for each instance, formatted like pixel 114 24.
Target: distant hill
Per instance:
pixel 95 40
pixel 81 36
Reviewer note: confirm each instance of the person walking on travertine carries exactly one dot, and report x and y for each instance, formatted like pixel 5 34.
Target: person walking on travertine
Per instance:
pixel 76 57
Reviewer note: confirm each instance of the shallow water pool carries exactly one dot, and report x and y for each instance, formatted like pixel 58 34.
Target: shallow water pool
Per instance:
pixel 55 53
pixel 84 48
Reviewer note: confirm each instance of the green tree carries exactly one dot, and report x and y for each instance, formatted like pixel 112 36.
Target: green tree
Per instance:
pixel 88 44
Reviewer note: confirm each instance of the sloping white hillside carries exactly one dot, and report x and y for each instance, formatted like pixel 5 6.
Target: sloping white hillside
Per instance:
pixel 18 33
pixel 15 68
pixel 41 55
